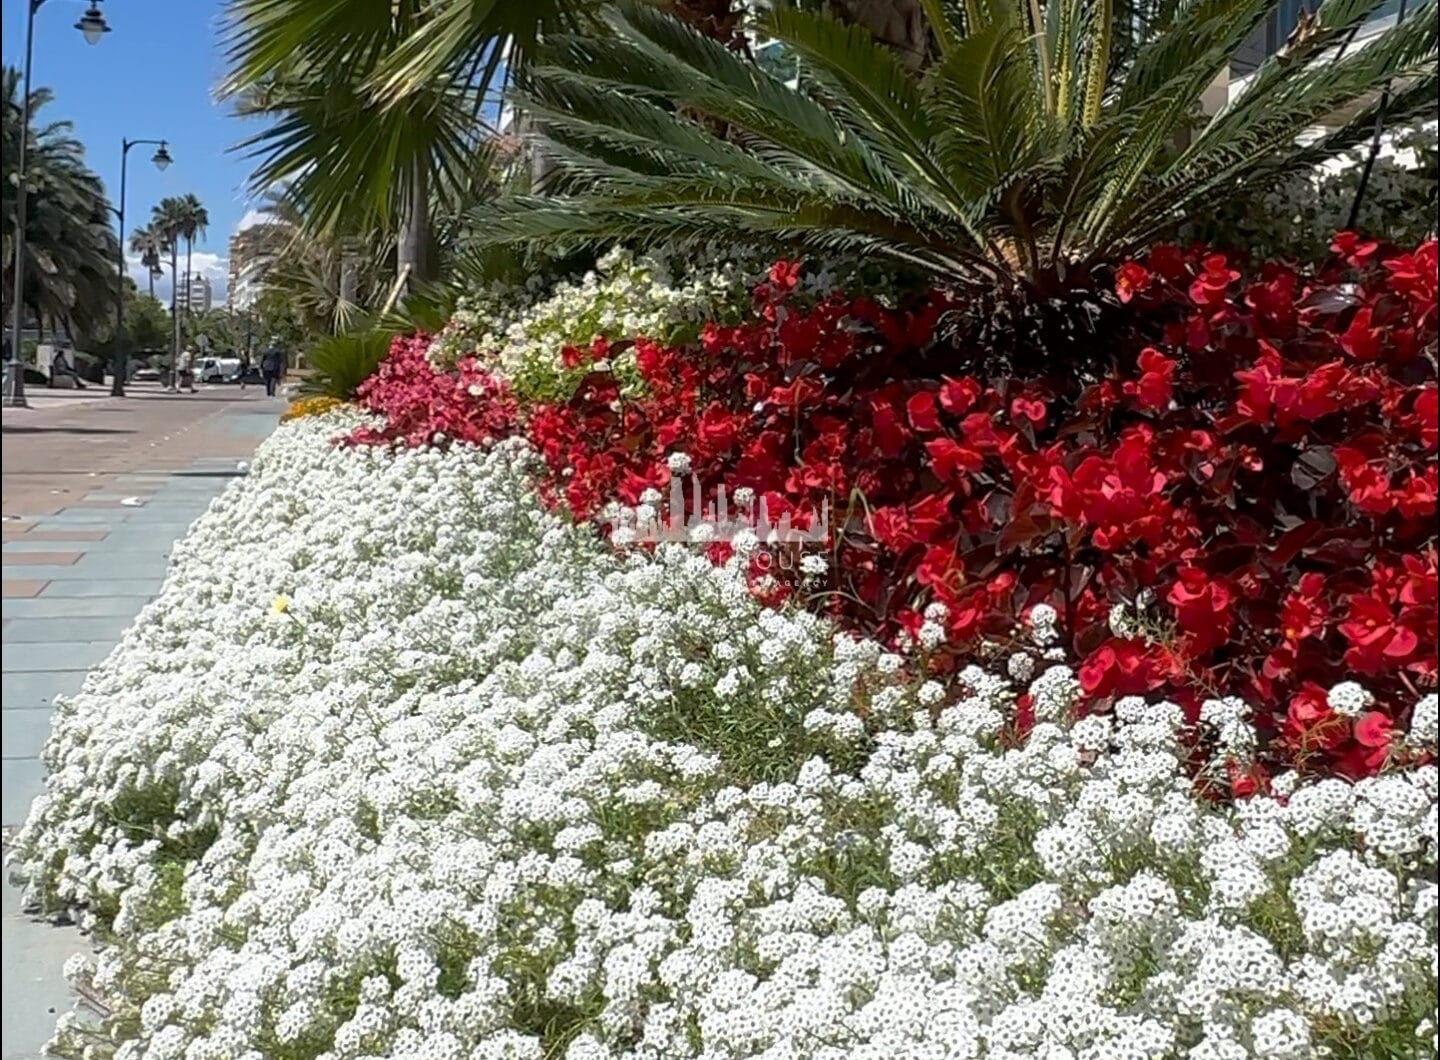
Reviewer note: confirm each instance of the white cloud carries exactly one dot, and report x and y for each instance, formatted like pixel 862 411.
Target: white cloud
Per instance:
pixel 202 263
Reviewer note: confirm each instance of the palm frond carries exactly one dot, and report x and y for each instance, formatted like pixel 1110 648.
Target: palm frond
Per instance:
pixel 1040 136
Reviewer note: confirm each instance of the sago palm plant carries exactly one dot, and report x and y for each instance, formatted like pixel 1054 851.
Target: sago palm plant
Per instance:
pixel 340 363
pixel 1024 151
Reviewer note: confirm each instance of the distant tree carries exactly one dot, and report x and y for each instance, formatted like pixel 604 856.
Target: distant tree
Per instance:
pixel 147 325
pixel 150 245
pixel 168 219
pixel 222 330
pixel 192 221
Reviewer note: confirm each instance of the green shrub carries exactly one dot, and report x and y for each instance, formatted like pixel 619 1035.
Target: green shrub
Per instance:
pixel 341 363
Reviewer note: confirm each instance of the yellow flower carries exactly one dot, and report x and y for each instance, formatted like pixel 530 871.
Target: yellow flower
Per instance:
pixel 281 604
pixel 311 406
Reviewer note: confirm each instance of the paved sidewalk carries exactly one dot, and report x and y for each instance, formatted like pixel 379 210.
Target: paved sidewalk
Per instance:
pixel 94 497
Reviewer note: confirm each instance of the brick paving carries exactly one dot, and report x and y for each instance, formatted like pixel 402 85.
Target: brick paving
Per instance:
pixel 57 455
pixel 95 493
pixel 13 559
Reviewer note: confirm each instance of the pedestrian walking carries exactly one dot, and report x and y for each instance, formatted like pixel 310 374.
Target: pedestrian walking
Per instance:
pixel 185 369
pixel 244 368
pixel 272 365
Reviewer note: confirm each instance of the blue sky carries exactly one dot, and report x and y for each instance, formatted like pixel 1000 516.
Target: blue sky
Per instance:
pixel 153 76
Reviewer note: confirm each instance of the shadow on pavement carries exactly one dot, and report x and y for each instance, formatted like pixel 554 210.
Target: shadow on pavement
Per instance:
pixel 198 396
pixel 23 428
pixel 207 474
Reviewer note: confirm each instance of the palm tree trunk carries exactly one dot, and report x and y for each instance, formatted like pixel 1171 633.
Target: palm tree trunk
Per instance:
pixel 174 305
pixel 900 24
pixel 189 309
pixel 151 273
pixel 414 243
pixel 541 164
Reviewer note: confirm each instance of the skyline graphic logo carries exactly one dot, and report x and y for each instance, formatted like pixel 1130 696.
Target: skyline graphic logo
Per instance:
pixel 718 522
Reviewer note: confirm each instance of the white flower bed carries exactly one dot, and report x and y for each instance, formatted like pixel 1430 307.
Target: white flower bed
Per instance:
pixel 399 765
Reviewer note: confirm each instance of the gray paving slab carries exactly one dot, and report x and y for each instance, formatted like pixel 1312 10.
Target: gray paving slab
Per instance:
pixel 34 987
pixel 109 562
pixel 53 658
pixel 177 498
pixel 131 563
pixel 43 572
pixel 23 732
pixel 24 610
pixel 21 779
pixel 108 587
pixel 129 535
pixel 134 540
pixel 38 688
pixel 171 523
pixel 66 628
pixel 151 528
pixel 29 545
pixel 84 518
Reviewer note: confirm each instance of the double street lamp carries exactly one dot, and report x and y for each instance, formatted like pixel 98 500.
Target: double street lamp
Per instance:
pixel 92 26
pixel 162 161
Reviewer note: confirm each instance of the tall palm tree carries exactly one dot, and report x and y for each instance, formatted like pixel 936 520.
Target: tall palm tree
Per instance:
pixel 368 130
pixel 149 244
pixel 168 217
pixel 193 220
pixel 70 248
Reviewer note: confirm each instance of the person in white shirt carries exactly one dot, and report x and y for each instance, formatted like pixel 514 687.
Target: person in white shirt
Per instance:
pixel 184 370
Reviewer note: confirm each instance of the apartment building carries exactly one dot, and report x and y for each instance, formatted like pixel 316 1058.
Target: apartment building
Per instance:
pixel 195 297
pixel 246 251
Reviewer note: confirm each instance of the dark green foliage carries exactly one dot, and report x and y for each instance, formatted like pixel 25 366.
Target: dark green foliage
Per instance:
pixel 1038 141
pixel 339 364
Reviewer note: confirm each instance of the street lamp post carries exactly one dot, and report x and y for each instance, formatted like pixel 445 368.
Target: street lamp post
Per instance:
pixel 92 26
pixel 162 161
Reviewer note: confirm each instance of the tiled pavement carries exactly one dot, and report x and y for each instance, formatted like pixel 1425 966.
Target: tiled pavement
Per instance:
pixel 88 531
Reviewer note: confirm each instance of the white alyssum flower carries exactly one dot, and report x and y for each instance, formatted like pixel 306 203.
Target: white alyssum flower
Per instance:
pixel 1349 699
pixel 492 789
pixel 1425 722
